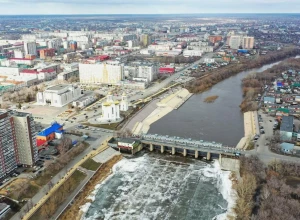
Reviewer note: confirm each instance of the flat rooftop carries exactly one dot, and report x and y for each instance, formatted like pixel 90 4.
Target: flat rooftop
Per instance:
pixel 57 87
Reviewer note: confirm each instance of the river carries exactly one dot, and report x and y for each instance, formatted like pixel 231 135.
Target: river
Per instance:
pixel 220 121
pixel 159 186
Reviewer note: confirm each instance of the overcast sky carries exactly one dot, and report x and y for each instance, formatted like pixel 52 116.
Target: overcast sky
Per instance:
pixel 146 6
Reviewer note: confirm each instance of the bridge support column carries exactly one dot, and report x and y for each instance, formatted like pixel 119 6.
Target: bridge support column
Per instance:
pixel 162 148
pixel 196 154
pixel 151 147
pixel 208 157
pixel 220 158
pixel 173 150
pixel 184 152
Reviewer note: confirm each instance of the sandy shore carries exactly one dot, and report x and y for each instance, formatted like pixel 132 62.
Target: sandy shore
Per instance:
pixel 163 107
pixel 73 212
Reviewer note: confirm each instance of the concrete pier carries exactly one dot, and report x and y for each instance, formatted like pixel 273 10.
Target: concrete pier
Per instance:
pixel 173 150
pixel 196 154
pixel 162 149
pixel 184 152
pixel 151 147
pixel 208 157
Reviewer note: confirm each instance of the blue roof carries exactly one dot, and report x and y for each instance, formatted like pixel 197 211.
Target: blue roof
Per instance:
pixel 287 146
pixel 53 128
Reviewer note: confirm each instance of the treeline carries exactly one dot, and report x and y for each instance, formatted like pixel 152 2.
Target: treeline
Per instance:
pixel 200 85
pixel 253 84
pixel 271 192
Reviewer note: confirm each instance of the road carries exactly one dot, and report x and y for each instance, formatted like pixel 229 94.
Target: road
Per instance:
pixel 261 145
pixel 41 194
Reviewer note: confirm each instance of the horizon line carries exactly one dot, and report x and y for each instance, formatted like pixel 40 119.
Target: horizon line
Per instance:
pixel 162 14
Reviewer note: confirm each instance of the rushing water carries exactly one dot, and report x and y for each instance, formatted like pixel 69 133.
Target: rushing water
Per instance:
pixel 220 121
pixel 154 187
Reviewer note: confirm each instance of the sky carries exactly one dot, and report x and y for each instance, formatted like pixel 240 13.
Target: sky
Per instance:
pixel 12 7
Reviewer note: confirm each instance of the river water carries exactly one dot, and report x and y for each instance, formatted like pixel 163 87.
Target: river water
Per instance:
pixel 220 121
pixel 154 186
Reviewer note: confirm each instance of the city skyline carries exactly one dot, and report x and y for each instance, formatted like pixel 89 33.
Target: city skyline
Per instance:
pixel 31 7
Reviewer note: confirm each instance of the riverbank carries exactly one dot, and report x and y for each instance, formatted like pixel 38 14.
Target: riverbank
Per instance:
pixel 157 110
pixel 82 198
pixel 199 85
pixel 251 128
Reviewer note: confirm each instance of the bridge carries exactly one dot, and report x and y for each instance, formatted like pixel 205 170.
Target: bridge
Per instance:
pixel 188 146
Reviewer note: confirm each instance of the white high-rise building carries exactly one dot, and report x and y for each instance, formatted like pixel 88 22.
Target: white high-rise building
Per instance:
pixel 30 48
pixel 124 103
pixel 235 42
pixel 110 109
pixel 148 72
pixel 100 73
pixel 55 43
pixel 18 54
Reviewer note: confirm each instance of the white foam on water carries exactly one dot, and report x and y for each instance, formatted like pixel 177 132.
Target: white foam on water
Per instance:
pixel 134 196
pixel 225 188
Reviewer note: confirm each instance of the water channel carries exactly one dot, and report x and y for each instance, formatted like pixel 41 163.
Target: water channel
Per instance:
pixel 220 121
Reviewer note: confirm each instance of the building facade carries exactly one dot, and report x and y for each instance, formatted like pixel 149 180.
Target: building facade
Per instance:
pixel 17 141
pixel 248 42
pixel 235 42
pixel 26 138
pixel 100 73
pixel 8 148
pixel 30 48
pixel 124 103
pixel 59 95
pixel 110 109
pixel 47 53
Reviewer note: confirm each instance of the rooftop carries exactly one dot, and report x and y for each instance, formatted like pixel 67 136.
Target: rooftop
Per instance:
pixel 57 87
pixel 287 124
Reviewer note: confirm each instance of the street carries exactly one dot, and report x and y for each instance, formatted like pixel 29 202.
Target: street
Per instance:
pixel 95 144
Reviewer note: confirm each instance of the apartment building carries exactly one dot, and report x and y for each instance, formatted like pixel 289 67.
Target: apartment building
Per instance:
pixel 25 136
pixel 30 48
pixel 248 42
pixel 8 147
pixel 17 141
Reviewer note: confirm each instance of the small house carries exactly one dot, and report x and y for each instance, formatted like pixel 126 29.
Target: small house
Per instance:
pixel 287 128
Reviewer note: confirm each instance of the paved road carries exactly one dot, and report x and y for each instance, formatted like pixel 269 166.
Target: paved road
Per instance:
pixel 57 177
pixel 262 150
pixel 156 87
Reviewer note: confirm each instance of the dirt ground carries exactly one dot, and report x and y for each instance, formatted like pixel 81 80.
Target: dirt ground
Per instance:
pixel 14 185
pixel 74 212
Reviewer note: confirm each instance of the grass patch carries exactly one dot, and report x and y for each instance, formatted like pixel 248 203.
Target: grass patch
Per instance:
pixel 211 99
pixel 47 210
pixel 90 164
pixel 112 126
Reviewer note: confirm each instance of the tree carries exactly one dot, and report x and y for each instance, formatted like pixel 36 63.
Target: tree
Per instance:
pixel 77 109
pixel 64 145
pixel 70 105
pixel 19 105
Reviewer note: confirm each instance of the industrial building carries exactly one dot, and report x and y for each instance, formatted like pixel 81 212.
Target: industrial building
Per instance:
pixel 100 73
pixel 59 95
pixel 50 133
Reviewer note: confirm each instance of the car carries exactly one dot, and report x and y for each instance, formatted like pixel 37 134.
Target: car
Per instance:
pixel 74 118
pixel 261 127
pixel 270 120
pixel 84 114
